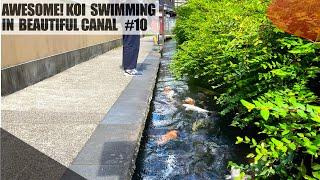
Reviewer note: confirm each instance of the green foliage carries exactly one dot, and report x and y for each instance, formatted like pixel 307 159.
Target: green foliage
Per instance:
pixel 291 128
pixel 259 74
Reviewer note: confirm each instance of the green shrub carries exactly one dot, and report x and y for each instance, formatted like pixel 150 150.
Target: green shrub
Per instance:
pixel 231 46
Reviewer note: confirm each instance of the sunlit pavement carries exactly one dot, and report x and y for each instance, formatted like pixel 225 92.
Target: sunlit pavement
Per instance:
pixel 57 116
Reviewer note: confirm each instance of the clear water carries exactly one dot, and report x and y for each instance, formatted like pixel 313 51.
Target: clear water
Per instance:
pixel 201 151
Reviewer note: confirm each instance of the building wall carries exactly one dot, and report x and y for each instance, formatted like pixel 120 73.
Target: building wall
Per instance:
pixel 27 60
pixel 169 3
pixel 19 49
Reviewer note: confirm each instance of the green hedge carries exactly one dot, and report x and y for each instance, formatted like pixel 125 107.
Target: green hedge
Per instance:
pixel 259 75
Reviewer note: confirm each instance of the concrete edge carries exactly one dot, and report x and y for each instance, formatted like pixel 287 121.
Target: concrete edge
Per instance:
pixel 111 151
pixel 17 77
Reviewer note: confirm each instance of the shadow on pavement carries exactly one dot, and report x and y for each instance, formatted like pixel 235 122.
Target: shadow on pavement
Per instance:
pixel 140 66
pixel 143 66
pixel 22 161
pixel 116 155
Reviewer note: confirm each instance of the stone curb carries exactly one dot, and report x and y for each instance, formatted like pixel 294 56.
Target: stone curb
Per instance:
pixel 111 151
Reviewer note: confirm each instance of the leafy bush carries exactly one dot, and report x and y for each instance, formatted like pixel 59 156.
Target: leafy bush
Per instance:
pixel 231 46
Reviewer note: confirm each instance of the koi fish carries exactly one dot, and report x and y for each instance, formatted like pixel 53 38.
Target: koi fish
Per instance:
pixel 194 108
pixel 235 173
pixel 171 135
pixel 169 92
pixel 190 101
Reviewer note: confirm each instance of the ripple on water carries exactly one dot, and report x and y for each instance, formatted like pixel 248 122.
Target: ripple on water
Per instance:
pixel 199 152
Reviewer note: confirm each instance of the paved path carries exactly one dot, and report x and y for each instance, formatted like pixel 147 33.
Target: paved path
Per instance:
pixel 57 116
pixel 111 151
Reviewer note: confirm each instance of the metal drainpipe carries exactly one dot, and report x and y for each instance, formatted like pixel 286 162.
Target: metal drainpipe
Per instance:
pixel 163 23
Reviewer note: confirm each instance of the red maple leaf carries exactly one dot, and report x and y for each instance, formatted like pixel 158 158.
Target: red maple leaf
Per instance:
pixel 298 17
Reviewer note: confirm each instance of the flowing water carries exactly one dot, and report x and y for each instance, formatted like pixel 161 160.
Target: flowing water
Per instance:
pixel 201 150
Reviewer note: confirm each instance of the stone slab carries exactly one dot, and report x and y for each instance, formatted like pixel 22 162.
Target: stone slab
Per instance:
pixel 116 141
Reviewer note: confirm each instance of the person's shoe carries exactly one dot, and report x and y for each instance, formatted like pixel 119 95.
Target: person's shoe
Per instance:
pixel 132 72
pixel 137 72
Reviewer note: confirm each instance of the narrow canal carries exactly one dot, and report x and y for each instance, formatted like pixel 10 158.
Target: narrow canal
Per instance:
pixel 180 144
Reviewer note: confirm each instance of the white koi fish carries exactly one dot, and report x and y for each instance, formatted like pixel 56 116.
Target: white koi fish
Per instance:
pixel 236 174
pixel 190 107
pixel 169 92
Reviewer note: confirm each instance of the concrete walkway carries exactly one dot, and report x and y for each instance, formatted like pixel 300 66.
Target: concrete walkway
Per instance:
pixel 57 116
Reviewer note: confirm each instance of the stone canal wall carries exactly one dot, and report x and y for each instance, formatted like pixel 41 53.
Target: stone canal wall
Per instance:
pixel 111 151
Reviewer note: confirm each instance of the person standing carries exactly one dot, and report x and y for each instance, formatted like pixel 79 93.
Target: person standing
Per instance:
pixel 131 47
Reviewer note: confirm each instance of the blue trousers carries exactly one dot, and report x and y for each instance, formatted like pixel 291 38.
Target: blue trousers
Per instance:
pixel 131 47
